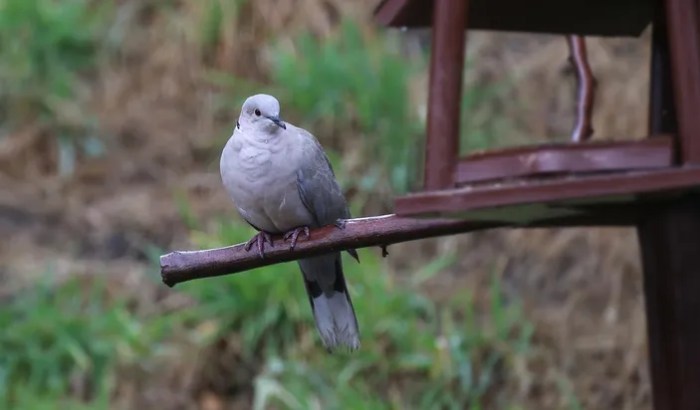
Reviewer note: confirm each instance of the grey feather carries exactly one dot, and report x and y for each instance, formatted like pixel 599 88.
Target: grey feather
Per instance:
pixel 318 188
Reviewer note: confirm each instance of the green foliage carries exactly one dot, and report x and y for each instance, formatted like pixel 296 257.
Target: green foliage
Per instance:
pixel 56 335
pixel 356 83
pixel 216 15
pixel 44 47
pixel 482 126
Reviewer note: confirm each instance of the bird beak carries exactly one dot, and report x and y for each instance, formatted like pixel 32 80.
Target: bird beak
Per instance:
pixel 277 121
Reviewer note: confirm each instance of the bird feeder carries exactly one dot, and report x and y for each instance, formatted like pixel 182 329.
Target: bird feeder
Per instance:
pixel 649 183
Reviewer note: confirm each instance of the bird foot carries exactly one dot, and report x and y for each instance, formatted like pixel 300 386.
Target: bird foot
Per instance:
pixel 385 252
pixel 259 239
pixel 294 235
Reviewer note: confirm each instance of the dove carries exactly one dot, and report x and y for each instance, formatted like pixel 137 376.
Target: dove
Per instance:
pixel 281 182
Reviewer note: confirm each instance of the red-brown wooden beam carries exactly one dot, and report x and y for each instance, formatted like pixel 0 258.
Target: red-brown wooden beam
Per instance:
pixel 591 157
pixel 683 18
pixel 590 188
pixel 445 92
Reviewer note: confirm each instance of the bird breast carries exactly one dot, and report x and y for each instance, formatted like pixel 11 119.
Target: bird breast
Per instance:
pixel 261 179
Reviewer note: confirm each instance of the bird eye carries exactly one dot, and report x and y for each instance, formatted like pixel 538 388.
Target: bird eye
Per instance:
pixel 257 112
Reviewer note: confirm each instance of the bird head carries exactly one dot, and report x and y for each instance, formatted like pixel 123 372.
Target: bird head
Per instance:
pixel 261 112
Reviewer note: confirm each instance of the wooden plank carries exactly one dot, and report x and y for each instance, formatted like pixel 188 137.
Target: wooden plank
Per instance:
pixel 445 93
pixel 683 17
pixel 486 196
pixel 551 159
pixel 670 244
pixel 584 17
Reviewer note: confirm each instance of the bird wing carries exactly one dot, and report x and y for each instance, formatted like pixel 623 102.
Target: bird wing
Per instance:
pixel 318 189
pixel 317 186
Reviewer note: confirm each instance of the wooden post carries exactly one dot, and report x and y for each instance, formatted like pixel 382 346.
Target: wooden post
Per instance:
pixel 670 246
pixel 445 92
pixel 683 21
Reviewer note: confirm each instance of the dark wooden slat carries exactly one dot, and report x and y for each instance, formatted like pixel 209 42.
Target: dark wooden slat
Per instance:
pixel 486 196
pixel 584 17
pixel 683 17
pixel 566 158
pixel 445 88
pixel 670 244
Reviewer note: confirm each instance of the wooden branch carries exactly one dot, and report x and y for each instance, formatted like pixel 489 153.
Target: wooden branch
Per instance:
pixel 585 91
pixel 178 267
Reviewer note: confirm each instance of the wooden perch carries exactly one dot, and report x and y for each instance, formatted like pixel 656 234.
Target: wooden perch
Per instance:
pixel 178 267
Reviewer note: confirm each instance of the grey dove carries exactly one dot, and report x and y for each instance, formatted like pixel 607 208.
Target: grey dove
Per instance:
pixel 281 181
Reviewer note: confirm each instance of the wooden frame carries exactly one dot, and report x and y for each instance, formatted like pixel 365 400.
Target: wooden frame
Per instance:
pixel 598 180
pixel 464 183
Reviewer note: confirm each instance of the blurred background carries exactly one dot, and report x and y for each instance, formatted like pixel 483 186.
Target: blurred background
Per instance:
pixel 112 119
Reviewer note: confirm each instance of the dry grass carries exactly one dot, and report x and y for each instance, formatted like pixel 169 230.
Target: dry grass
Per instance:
pixel 581 287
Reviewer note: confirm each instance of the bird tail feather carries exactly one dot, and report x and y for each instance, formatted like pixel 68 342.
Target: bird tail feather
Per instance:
pixel 330 301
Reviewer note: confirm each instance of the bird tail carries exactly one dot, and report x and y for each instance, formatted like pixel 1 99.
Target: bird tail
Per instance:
pixel 330 301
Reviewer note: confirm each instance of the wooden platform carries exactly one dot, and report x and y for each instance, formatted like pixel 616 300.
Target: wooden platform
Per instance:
pixel 558 159
pixel 526 202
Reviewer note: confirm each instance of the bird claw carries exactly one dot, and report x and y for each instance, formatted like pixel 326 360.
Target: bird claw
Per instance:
pixel 385 252
pixel 259 239
pixel 340 223
pixel 294 235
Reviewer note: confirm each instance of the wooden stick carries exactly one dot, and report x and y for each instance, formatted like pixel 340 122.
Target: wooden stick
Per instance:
pixel 177 267
pixel 585 93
